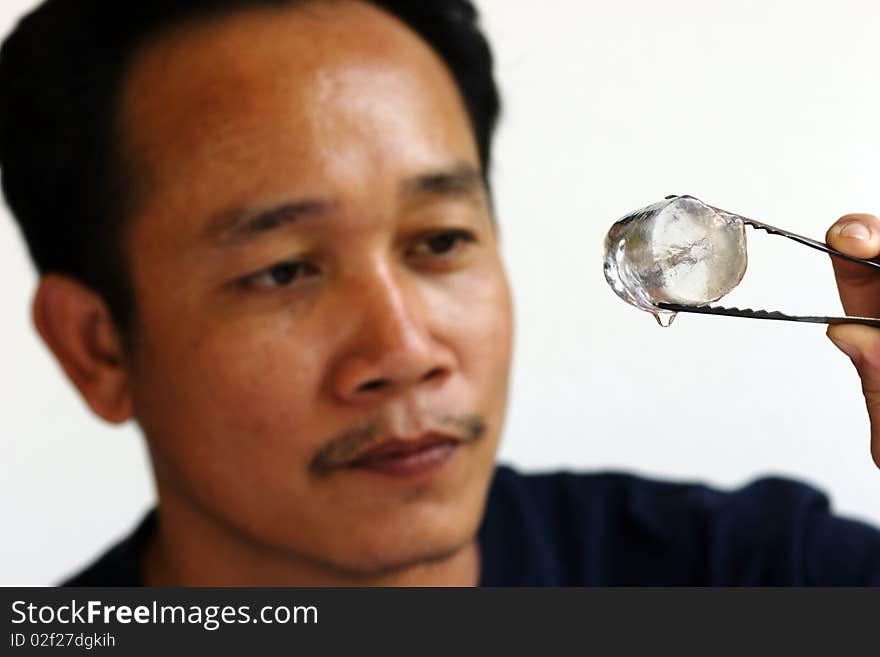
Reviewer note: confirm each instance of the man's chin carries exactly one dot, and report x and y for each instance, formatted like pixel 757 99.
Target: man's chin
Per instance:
pixel 423 528
pixel 390 567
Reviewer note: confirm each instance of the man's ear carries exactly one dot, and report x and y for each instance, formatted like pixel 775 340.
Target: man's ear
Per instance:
pixel 76 325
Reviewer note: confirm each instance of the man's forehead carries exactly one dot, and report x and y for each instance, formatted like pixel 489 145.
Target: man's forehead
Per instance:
pixel 251 65
pixel 247 52
pixel 310 92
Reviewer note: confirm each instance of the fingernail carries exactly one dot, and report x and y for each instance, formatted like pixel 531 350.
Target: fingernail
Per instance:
pixel 854 354
pixel 855 230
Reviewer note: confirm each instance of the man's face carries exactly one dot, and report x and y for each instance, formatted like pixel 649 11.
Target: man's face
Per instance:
pixel 316 269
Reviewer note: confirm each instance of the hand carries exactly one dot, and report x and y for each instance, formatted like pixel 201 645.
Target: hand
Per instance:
pixel 859 287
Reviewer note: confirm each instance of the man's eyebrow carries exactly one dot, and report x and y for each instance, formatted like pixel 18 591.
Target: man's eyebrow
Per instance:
pixel 243 224
pixel 460 180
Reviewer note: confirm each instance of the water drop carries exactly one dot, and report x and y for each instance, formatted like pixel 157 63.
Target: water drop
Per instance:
pixel 665 319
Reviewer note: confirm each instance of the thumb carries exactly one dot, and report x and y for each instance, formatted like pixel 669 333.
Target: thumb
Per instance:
pixel 862 345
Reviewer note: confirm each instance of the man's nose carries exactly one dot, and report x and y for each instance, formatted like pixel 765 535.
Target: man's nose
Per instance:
pixel 393 347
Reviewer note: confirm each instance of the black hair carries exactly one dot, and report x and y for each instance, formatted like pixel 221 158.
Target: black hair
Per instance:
pixel 62 72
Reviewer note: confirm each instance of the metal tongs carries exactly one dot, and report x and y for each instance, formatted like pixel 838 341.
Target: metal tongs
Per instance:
pixel 775 314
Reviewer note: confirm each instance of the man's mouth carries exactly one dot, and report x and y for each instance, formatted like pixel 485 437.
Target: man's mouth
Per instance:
pixel 407 456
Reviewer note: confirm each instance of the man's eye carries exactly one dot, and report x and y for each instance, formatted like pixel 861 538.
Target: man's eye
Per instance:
pixel 281 275
pixel 445 242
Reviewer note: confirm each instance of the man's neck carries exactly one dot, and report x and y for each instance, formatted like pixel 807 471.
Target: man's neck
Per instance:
pixel 176 556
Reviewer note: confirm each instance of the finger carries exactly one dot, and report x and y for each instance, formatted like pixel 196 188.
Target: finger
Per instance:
pixel 857 235
pixel 862 345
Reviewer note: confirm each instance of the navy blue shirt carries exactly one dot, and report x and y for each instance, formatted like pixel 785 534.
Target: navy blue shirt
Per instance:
pixel 573 529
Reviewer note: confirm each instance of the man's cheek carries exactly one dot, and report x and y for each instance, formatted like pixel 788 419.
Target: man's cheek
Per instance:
pixel 224 393
pixel 486 338
pixel 251 404
pixel 241 442
pixel 251 364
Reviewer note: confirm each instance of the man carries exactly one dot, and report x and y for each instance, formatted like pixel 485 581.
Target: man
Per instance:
pixel 277 254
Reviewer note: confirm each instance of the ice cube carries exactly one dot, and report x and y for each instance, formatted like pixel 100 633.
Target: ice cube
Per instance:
pixel 677 251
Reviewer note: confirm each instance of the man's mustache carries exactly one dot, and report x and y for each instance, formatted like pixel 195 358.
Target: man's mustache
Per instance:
pixel 344 447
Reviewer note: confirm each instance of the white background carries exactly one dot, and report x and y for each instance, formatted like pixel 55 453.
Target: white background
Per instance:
pixel 767 108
